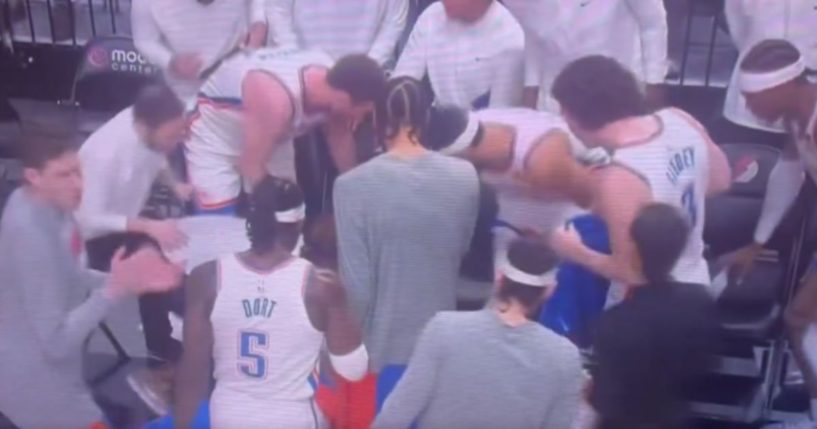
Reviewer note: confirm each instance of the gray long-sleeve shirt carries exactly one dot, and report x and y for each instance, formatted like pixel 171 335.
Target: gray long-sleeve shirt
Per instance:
pixel 403 227
pixel 469 370
pixel 46 313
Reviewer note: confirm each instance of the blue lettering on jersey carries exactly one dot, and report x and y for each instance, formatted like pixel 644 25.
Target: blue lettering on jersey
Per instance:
pixel 258 307
pixel 679 163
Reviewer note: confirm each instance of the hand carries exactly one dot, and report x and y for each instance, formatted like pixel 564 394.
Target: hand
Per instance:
pixel 656 95
pixel 257 36
pixel 564 241
pixel 742 261
pixel 143 272
pixel 186 66
pixel 184 191
pixel 167 233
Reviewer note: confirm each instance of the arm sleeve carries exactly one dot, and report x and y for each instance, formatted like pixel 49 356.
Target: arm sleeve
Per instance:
pixel 785 181
pixel 413 60
pixel 390 30
pixel 281 21
pixel 48 289
pixel 414 390
pixel 148 37
pixel 652 23
pixel 355 265
pixel 508 85
pixel 736 21
pixel 93 218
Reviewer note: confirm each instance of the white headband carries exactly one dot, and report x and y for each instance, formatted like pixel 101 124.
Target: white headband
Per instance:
pixel 465 138
pixel 751 82
pixel 510 272
pixel 293 215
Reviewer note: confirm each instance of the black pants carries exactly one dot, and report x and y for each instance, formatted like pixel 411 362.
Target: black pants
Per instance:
pixel 153 308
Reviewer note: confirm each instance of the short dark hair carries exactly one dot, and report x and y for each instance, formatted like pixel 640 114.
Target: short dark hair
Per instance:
pixel 530 256
pixel 38 150
pixel 359 76
pixel 270 195
pixel 404 104
pixel 660 233
pixel 445 124
pixel 157 104
pixel 597 90
pixel 770 55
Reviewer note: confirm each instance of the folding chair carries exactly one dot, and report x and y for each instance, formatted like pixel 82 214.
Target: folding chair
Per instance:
pixel 748 369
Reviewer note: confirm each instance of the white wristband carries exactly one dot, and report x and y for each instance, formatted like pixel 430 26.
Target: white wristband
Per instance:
pixel 352 366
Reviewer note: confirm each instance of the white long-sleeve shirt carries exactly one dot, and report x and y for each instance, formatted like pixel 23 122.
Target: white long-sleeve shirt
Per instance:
pixel 164 28
pixel 339 27
pixel 118 171
pixel 467 62
pixel 559 31
pixel 751 21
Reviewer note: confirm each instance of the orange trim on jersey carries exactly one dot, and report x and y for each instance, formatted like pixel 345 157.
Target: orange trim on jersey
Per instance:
pixel 98 425
pixel 219 105
pixel 218 205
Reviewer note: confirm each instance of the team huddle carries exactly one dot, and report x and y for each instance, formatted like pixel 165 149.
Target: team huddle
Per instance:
pixel 271 323
pixel 640 158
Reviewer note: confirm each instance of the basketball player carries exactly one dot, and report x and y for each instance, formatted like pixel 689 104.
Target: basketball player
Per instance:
pixel 526 155
pixel 257 320
pixel 254 103
pixel 773 78
pixel 485 369
pixel 664 157
pixel 405 220
pixel 536 167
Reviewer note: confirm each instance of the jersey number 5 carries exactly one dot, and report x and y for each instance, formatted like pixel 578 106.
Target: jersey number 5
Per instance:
pixel 688 203
pixel 252 363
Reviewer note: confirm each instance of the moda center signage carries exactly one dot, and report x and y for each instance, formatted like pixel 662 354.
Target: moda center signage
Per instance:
pixel 116 54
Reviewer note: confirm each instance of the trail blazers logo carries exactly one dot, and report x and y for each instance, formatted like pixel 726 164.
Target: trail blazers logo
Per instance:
pixel 745 170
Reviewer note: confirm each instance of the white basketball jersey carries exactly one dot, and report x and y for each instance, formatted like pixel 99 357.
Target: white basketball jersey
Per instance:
pixel 519 205
pixel 217 124
pixel 675 166
pixel 265 348
pixel 806 143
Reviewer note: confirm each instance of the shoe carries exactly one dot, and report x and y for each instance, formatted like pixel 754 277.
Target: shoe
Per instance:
pixel 154 387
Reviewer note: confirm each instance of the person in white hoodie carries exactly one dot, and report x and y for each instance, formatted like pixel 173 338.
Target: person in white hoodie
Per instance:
pixel 472 52
pixel 339 28
pixel 751 21
pixel 185 38
pixel 560 31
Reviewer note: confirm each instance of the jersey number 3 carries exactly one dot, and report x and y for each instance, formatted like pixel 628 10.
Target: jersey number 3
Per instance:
pixel 251 362
pixel 688 203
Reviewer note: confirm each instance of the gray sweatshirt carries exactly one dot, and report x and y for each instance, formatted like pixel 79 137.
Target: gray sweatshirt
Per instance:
pixel 46 313
pixel 471 371
pixel 403 227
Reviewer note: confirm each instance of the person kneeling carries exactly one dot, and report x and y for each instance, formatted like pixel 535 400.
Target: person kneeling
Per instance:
pixel 494 367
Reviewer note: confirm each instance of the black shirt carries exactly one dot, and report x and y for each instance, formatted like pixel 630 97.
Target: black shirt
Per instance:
pixel 648 350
